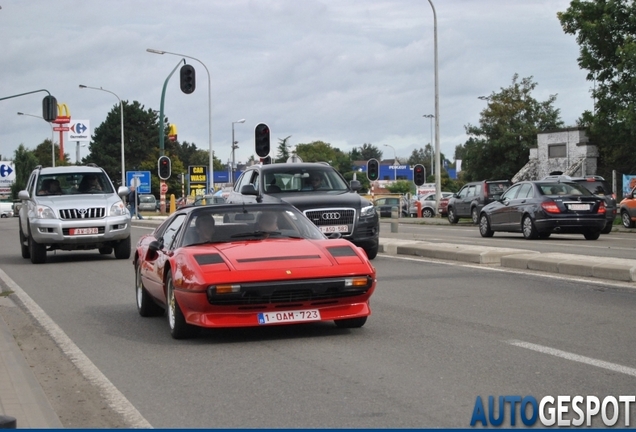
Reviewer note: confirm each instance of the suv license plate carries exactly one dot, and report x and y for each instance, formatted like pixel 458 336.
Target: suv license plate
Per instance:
pixel 579 206
pixel 288 316
pixel 83 231
pixel 334 228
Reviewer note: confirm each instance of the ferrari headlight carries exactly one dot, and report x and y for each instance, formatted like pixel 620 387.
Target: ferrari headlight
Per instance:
pixel 44 212
pixel 367 211
pixel 118 209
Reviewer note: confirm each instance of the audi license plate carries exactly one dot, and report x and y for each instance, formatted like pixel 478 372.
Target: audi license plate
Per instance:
pixel 334 228
pixel 288 316
pixel 83 231
pixel 579 206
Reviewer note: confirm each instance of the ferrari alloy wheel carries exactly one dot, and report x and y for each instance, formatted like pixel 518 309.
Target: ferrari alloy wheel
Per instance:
pixel 529 230
pixel 179 328
pixel 145 305
pixel 484 227
pixel 351 322
pixel 452 217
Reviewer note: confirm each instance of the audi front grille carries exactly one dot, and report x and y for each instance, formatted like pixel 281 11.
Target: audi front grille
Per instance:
pixel 333 216
pixel 83 213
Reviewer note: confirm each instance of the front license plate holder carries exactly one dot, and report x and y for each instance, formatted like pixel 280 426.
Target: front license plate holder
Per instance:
pixel 265 318
pixel 83 231
pixel 334 228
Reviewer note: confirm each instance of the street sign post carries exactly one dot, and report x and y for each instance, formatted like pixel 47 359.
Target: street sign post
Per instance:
pixel 140 179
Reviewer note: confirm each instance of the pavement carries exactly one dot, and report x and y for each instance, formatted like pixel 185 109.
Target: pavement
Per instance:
pixel 23 403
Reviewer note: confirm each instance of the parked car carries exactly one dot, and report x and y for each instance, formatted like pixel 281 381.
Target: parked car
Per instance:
pixel 237 272
pixel 442 208
pixel 468 202
pixel 627 209
pixel 385 205
pixel 428 204
pixel 598 186
pixel 541 208
pixel 16 207
pixel 147 203
pixel 332 203
pixel 73 208
pixel 6 213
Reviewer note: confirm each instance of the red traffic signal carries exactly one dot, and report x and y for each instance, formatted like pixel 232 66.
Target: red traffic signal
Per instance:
pixel 419 175
pixel 164 167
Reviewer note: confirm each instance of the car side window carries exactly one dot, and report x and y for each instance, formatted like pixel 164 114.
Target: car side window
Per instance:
pixel 170 234
pixel 510 193
pixel 477 191
pixel 525 191
pixel 462 192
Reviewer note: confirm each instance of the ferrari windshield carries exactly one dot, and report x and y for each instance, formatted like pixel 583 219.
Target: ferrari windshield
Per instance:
pixel 224 223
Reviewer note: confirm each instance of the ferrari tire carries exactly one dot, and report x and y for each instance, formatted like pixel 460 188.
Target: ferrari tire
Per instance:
pixel 528 229
pixel 484 227
pixel 474 216
pixel 452 217
pixel 592 235
pixel 351 322
pixel 372 252
pixel 145 305
pixel 179 328
pixel 106 250
pixel 24 245
pixel 427 213
pixel 37 251
pixel 122 249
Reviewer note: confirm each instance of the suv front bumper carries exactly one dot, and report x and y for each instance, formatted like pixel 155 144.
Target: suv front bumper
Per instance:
pixel 57 232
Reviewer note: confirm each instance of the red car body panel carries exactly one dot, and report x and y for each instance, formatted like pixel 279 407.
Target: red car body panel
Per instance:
pixel 264 261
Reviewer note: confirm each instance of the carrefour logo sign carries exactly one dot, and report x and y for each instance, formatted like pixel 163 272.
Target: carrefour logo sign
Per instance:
pixel 79 130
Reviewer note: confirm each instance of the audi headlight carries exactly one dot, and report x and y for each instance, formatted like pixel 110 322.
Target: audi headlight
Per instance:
pixel 118 209
pixel 367 211
pixel 44 212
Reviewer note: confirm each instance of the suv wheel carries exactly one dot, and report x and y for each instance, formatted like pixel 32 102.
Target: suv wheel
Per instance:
pixel 122 249
pixel 24 246
pixel 474 216
pixel 37 251
pixel 372 252
pixel 627 221
pixel 452 217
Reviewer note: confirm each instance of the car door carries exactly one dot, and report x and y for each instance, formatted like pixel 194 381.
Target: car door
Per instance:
pixel 500 216
pixel 463 207
pixel 519 203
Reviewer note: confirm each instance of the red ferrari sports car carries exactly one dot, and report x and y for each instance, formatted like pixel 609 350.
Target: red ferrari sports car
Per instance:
pixel 234 265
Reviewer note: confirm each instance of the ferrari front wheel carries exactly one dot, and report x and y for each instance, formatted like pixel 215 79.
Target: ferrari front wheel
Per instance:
pixel 145 305
pixel 351 322
pixel 179 328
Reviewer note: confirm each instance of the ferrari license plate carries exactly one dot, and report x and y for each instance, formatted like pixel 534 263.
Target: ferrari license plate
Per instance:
pixel 83 231
pixel 579 206
pixel 288 316
pixel 334 228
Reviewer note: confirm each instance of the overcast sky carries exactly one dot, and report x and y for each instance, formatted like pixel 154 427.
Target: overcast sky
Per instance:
pixel 346 72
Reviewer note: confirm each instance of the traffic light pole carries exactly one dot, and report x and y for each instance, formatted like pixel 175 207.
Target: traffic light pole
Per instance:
pixel 163 97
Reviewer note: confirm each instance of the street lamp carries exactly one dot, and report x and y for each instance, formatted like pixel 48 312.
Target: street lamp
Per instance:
pixel 430 116
pixel 52 135
pixel 150 50
pixel 121 112
pixel 395 162
pixel 234 147
pixel 438 177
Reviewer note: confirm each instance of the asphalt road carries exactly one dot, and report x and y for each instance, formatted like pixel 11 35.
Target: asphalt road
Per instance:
pixel 441 335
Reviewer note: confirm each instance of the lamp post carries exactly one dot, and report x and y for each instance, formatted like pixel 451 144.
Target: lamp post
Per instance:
pixel 52 135
pixel 211 161
pixel 395 162
pixel 121 115
pixel 438 177
pixel 234 147
pixel 430 117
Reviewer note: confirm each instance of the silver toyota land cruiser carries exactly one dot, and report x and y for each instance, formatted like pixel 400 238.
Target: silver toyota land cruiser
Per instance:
pixel 73 208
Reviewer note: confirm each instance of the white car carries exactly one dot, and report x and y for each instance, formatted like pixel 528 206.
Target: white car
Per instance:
pixel 6 213
pixel 428 205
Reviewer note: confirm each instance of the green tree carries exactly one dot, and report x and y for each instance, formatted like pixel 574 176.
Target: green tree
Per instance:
pixel 369 151
pixel 605 31
pixel 24 161
pixel 283 152
pixel 43 154
pixel 401 187
pixel 500 146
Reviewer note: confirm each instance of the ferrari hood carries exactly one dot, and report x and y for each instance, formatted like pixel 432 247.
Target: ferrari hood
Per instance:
pixel 273 254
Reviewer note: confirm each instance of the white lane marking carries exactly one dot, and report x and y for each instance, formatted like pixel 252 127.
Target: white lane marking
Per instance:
pixel 575 357
pixel 115 399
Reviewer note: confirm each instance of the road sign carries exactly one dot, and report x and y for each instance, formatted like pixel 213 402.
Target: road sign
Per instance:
pixel 164 188
pixel 140 179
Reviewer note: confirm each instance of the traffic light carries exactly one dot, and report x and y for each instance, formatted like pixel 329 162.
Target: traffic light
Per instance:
pixel 261 140
pixel 419 175
pixel 49 108
pixel 373 169
pixel 188 79
pixel 165 168
pixel 266 160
